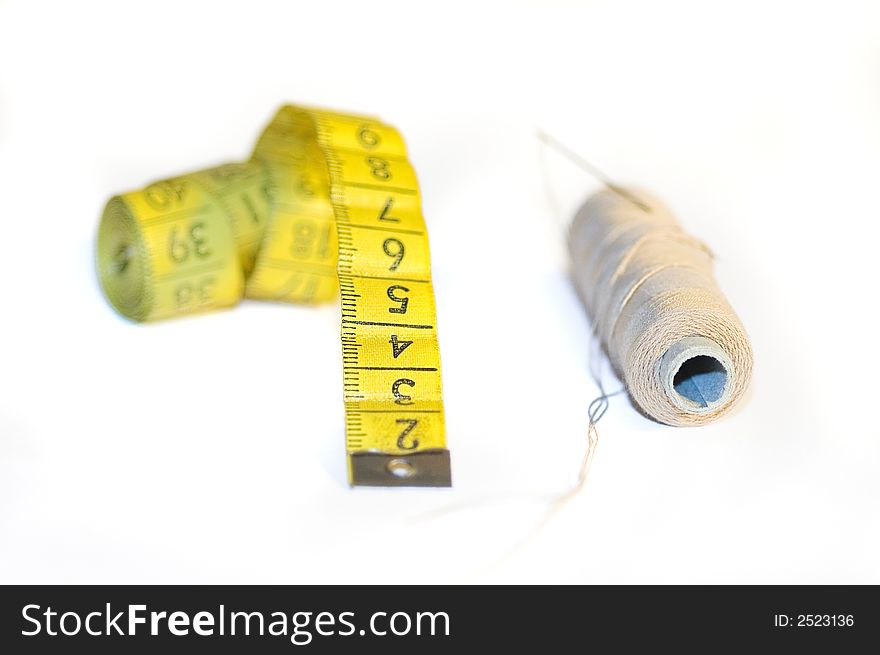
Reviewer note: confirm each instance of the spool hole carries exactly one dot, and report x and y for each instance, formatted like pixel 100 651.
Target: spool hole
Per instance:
pixel 701 380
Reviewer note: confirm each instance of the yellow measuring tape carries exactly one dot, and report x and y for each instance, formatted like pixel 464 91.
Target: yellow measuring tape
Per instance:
pixel 328 201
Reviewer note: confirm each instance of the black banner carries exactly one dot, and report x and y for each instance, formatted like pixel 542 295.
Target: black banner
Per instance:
pixel 334 619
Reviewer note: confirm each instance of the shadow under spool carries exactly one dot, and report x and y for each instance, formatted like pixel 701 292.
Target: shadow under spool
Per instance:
pixel 649 289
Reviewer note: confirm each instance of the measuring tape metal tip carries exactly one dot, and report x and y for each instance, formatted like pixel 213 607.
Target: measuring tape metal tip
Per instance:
pixel 430 468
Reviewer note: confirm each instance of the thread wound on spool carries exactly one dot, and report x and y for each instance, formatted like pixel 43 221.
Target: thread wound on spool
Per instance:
pixel 650 292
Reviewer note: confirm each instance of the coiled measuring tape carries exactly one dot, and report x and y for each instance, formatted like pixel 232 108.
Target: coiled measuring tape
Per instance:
pixel 328 201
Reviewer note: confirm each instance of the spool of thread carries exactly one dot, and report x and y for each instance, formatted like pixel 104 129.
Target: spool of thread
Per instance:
pixel 649 289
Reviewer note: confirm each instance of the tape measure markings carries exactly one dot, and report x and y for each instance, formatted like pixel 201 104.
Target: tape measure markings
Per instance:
pixel 328 206
pixel 363 278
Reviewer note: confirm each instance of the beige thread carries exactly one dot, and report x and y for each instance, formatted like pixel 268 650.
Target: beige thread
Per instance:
pixel 651 294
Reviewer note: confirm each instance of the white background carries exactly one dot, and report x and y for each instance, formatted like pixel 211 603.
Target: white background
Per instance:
pixel 210 449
